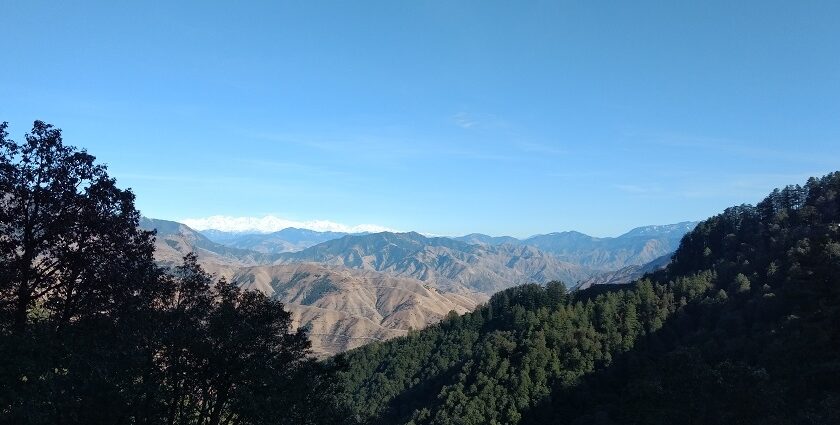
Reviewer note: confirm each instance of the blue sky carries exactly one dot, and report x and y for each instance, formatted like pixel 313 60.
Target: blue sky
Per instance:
pixel 446 117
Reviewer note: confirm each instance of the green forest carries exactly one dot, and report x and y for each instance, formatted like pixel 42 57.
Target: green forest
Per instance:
pixel 742 327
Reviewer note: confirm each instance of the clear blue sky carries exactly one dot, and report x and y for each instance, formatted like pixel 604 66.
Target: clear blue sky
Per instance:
pixel 445 117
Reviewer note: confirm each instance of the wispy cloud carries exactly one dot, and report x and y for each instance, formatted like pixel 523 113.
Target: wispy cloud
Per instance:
pixel 465 120
pixel 271 223
pixel 471 120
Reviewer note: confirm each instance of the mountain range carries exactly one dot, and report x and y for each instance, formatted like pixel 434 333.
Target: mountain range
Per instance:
pixel 349 289
pixel 445 263
pixel 175 240
pixel 636 247
pixel 290 239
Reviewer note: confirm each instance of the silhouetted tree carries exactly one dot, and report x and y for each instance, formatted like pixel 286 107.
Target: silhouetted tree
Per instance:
pixel 92 331
pixel 70 241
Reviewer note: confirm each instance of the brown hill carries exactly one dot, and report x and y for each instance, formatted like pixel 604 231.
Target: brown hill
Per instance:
pixel 342 308
pixel 345 308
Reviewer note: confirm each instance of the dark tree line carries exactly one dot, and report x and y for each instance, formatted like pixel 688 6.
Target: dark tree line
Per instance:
pixel 92 331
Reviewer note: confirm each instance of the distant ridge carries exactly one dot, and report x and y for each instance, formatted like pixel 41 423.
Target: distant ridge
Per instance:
pixel 626 274
pixel 482 239
pixel 290 239
pixel 174 240
pixel 354 288
pixel 450 264
pixel 343 308
pixel 636 247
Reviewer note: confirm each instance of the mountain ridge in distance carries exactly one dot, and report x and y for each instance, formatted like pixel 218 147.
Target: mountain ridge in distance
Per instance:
pixel 350 277
pixel 447 263
pixel 290 239
pixel 174 240
pixel 635 247
pixel 626 274
pixel 341 307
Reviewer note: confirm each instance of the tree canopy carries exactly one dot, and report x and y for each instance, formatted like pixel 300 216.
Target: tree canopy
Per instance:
pixel 93 331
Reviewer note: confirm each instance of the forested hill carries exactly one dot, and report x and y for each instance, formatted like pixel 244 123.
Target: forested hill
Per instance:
pixel 742 327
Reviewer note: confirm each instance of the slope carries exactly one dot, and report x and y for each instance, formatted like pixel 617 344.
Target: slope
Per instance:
pixel 344 308
pixel 341 307
pixel 174 240
pixel 444 263
pixel 740 328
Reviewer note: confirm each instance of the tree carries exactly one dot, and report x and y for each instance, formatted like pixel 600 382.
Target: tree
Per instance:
pixel 93 331
pixel 71 243
pixel 230 354
pixel 77 275
pixel 741 283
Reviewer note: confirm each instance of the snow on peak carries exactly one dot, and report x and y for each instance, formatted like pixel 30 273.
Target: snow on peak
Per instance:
pixel 270 223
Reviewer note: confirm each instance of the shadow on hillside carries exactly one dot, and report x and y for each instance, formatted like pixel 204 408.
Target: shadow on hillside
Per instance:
pixel 712 363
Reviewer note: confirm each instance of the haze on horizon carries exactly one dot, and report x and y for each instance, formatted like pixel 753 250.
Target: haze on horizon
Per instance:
pixel 440 117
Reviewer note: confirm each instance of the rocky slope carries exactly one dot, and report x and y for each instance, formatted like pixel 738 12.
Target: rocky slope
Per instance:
pixel 174 240
pixel 444 263
pixel 345 308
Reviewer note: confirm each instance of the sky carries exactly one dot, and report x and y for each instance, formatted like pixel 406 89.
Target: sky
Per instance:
pixel 444 117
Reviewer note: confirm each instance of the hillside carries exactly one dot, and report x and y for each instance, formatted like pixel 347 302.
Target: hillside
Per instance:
pixel 343 308
pixel 174 240
pixel 444 263
pixel 741 327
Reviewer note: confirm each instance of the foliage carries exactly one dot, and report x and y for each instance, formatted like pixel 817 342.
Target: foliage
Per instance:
pixel 92 331
pixel 741 327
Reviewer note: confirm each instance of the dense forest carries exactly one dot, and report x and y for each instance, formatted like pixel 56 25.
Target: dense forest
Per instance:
pixel 743 327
